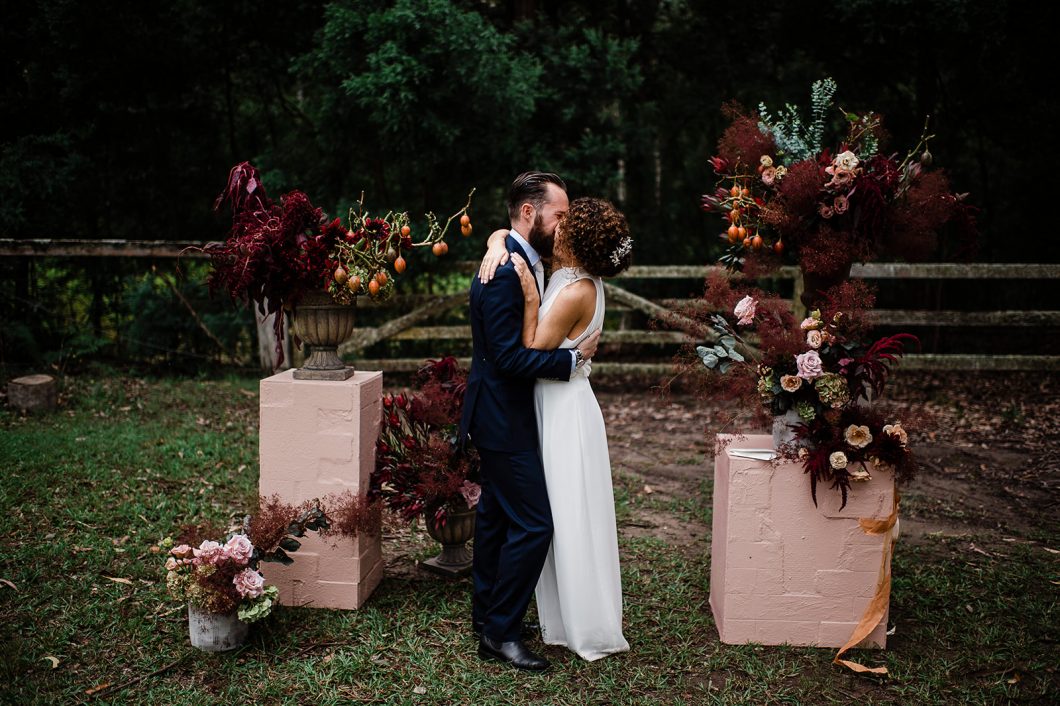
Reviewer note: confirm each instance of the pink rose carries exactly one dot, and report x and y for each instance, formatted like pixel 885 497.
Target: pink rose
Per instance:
pixel 825 210
pixel 841 203
pixel 809 323
pixel 209 552
pixel 769 175
pixel 471 492
pixel 841 177
pixel 745 311
pixel 171 564
pixel 182 551
pixel 809 365
pixel 814 339
pixel 239 549
pixel 249 583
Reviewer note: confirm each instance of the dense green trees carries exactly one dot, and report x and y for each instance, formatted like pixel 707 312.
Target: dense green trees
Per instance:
pixel 120 121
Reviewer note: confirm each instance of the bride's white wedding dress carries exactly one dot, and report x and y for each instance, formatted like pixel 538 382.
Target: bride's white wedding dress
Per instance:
pixel 579 594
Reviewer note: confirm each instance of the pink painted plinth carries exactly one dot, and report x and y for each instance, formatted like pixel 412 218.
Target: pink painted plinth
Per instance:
pixel 783 571
pixel 317 437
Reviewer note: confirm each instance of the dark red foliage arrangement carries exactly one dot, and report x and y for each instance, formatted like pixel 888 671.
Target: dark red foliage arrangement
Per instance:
pixel 420 470
pixel 786 197
pixel 825 369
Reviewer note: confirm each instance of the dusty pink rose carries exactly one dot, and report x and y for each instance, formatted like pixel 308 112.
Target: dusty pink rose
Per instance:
pixel 239 549
pixel 841 204
pixel 825 210
pixel 182 551
pixel 171 564
pixel 471 492
pixel 814 339
pixel 841 177
pixel 790 383
pixel 769 175
pixel 249 583
pixel 209 552
pixel 809 323
pixel 745 311
pixel 809 365
pixel 838 460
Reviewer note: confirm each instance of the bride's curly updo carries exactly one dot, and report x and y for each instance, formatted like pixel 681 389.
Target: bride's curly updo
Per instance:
pixel 596 235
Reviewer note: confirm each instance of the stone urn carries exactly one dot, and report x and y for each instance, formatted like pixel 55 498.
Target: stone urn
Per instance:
pixel 323 325
pixel 455 558
pixel 215 632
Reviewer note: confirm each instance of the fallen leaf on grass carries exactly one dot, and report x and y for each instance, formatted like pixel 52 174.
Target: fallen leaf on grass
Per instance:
pixel 1015 678
pixel 420 690
pixel 648 490
pixel 53 660
pixel 1051 551
pixel 9 584
pixel 115 579
pixel 96 689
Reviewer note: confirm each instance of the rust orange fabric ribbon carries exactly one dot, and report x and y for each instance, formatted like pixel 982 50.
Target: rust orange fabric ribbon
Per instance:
pixel 878 605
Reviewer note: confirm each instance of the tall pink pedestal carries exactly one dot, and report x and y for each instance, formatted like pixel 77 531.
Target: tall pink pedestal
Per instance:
pixel 783 571
pixel 317 438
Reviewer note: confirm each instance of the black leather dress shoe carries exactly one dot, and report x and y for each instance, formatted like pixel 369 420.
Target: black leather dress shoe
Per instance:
pixel 514 653
pixel 528 630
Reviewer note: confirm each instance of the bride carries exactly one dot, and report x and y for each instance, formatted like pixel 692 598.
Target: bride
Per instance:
pixel 579 593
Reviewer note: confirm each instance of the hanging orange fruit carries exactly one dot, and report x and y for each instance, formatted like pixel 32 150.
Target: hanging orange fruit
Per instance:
pixel 399 265
pixel 373 287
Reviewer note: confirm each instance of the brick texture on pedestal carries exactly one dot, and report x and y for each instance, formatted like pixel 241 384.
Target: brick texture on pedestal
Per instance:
pixel 783 571
pixel 317 437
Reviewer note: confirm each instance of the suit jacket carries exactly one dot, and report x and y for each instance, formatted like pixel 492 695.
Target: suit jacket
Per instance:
pixel 499 402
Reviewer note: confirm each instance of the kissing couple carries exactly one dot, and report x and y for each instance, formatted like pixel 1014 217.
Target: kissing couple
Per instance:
pixel 546 516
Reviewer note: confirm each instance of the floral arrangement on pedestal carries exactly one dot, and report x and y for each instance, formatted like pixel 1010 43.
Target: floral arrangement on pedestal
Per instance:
pixel 420 470
pixel 816 377
pixel 784 194
pixel 278 253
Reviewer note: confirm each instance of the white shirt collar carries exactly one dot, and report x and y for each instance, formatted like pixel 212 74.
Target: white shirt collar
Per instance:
pixel 533 255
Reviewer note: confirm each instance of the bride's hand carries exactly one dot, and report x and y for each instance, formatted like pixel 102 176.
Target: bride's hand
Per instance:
pixel 495 256
pixel 527 279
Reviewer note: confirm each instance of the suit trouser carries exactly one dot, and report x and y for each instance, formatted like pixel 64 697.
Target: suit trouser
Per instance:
pixel 513 531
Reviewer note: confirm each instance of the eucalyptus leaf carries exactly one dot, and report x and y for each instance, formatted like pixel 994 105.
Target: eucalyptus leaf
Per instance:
pixel 710 360
pixel 725 365
pixel 728 341
pixel 736 356
pixel 720 352
pixel 290 544
pixel 702 351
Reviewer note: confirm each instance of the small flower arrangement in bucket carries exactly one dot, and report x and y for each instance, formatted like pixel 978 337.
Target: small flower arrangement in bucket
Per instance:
pixel 221 583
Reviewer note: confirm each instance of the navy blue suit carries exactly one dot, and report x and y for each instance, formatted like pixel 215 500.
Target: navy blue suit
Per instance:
pixel 513 523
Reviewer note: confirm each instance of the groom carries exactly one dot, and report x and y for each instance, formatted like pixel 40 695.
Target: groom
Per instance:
pixel 513 525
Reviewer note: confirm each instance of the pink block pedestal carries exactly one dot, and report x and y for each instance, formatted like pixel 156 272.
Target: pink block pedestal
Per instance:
pixel 783 571
pixel 317 437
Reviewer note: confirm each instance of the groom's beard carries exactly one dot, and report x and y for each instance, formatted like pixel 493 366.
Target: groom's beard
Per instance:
pixel 541 240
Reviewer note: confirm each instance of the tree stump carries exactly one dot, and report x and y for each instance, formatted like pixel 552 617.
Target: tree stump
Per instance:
pixel 32 393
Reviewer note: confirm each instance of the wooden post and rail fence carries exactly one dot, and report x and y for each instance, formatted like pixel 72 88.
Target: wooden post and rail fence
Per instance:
pixel 420 322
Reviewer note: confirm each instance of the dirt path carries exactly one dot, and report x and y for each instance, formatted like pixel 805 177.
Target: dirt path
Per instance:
pixel 989 446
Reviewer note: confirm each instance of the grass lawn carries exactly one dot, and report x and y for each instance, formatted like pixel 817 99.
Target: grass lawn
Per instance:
pixel 87 490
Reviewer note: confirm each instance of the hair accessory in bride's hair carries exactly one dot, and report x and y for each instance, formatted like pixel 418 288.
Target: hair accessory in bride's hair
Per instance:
pixel 624 247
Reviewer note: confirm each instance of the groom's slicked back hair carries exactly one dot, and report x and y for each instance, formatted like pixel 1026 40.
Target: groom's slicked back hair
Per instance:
pixel 531 187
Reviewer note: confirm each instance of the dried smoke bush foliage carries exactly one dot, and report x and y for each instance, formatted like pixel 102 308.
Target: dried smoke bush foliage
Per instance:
pixel 350 515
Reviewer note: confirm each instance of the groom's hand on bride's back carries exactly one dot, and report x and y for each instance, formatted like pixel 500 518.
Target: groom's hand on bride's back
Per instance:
pixel 588 346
